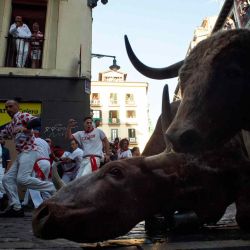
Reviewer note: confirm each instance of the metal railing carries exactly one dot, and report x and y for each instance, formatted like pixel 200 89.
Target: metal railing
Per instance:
pixel 24 52
pixel 114 121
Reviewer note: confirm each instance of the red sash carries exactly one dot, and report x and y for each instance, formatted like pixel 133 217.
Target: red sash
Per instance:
pixel 93 163
pixel 39 172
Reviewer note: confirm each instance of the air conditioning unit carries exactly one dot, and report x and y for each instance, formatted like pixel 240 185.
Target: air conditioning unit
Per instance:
pixel 132 139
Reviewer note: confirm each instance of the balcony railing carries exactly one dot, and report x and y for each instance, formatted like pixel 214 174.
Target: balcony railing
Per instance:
pixel 95 102
pixel 24 52
pixel 114 121
pixel 132 140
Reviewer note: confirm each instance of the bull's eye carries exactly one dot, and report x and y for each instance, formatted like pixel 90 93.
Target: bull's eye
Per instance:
pixel 116 172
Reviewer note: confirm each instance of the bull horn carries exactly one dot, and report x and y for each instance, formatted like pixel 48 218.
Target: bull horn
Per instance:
pixel 166 116
pixel 56 179
pixel 154 73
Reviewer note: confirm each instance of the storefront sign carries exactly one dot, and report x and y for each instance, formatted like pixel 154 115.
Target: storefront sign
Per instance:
pixel 28 107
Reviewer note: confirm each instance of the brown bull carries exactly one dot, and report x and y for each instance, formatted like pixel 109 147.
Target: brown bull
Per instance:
pixel 110 202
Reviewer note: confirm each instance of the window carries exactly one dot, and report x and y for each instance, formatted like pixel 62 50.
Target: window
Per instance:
pixel 97 114
pixel 114 134
pixel 129 99
pixel 130 114
pixel 17 53
pixel 131 135
pixel 95 99
pixel 113 99
pixel 114 117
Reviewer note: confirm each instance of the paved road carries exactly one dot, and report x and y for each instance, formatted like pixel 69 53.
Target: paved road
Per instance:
pixel 16 233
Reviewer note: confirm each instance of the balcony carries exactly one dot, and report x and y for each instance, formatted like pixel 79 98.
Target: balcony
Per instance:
pixel 95 103
pixel 131 121
pixel 24 52
pixel 130 103
pixel 113 103
pixel 132 140
pixel 114 121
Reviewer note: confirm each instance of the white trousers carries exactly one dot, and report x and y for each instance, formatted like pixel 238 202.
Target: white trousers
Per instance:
pixel 2 191
pixel 22 52
pixel 36 196
pixel 86 168
pixel 20 174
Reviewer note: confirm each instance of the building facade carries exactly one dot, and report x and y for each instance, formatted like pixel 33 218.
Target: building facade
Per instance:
pixel 58 87
pixel 122 107
pixel 238 17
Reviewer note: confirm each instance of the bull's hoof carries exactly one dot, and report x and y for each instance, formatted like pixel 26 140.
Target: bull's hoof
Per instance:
pixel 186 221
pixel 243 209
pixel 243 220
pixel 156 224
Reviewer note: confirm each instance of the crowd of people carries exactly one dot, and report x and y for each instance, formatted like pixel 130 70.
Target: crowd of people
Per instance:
pixel 28 44
pixel 89 150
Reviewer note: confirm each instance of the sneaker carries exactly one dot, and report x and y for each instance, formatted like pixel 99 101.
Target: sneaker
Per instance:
pixel 11 212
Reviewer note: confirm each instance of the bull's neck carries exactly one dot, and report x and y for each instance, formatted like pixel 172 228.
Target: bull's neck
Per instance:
pixel 244 112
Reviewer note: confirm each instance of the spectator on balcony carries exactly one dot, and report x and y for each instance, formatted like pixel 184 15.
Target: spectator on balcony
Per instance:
pixel 21 32
pixel 91 140
pixel 123 151
pixel 36 46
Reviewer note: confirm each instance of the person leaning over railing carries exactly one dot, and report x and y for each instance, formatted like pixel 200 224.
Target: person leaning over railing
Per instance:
pixel 21 32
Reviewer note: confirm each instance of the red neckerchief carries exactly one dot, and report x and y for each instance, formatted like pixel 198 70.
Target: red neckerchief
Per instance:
pixel 87 132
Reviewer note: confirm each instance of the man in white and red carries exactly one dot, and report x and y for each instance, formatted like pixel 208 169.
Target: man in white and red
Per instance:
pixel 91 140
pixel 42 170
pixel 71 162
pixel 21 129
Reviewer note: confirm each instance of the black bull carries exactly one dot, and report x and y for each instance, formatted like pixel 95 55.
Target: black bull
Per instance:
pixel 111 201
pixel 215 85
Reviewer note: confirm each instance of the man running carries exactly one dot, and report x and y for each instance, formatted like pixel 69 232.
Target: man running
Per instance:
pixel 21 129
pixel 91 140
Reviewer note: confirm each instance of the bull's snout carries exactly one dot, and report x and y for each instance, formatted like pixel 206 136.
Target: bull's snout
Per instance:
pixel 42 223
pixel 186 140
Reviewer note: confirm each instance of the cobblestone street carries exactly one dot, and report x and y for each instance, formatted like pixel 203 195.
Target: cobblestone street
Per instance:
pixel 16 233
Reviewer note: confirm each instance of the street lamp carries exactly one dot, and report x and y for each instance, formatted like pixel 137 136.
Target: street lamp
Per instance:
pixel 114 66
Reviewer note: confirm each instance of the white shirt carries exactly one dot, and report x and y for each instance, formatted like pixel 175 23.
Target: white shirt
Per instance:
pixel 77 156
pixel 43 148
pixel 90 142
pixel 1 156
pixel 21 31
pixel 124 154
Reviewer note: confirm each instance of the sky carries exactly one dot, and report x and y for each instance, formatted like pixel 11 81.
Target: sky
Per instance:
pixel 159 32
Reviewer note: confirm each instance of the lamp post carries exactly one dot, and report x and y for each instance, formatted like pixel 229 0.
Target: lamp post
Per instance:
pixel 114 66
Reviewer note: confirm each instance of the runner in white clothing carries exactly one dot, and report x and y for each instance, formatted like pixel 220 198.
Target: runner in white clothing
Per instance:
pixel 42 168
pixel 71 162
pixel 92 141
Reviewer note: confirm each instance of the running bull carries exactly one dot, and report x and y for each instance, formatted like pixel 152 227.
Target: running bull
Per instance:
pixel 110 202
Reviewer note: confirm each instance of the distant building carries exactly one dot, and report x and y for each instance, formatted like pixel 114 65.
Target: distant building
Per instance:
pixel 122 107
pixel 238 17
